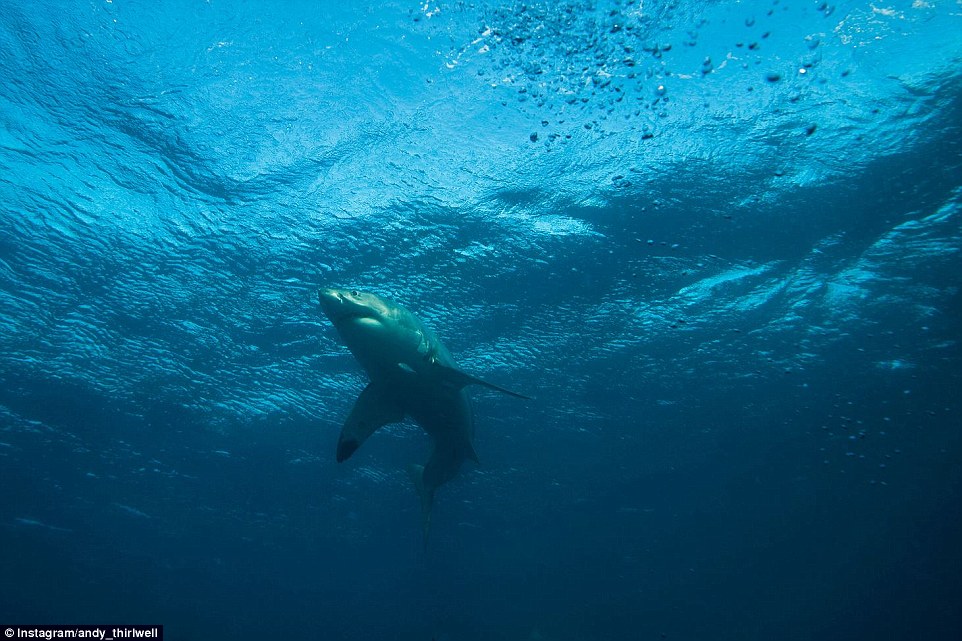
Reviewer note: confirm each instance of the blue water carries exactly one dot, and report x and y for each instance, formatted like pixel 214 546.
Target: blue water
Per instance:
pixel 719 242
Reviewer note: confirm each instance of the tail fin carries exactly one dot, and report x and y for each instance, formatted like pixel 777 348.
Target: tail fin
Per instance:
pixel 416 472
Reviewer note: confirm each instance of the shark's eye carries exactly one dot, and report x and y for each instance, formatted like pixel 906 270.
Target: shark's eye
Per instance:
pixel 354 292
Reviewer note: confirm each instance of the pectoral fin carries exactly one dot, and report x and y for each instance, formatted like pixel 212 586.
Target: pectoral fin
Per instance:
pixel 372 409
pixel 459 379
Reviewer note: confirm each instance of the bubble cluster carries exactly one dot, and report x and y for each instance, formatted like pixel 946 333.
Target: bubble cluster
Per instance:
pixel 581 61
pixel 581 67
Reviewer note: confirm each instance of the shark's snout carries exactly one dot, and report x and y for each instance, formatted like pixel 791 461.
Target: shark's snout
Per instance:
pixel 341 305
pixel 331 301
pixel 328 296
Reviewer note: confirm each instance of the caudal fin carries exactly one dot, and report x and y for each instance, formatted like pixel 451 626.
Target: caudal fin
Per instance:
pixel 416 472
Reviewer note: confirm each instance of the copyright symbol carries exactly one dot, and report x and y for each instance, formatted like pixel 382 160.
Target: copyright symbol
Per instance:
pixel 9 632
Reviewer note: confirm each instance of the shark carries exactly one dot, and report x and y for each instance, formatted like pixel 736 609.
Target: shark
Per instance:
pixel 412 374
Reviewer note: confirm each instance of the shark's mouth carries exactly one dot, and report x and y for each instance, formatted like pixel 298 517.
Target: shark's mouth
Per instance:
pixel 361 321
pixel 342 316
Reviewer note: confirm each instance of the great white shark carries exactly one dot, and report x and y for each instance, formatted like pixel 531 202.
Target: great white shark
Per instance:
pixel 412 374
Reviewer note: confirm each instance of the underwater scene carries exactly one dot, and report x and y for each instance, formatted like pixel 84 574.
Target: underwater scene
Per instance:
pixel 482 320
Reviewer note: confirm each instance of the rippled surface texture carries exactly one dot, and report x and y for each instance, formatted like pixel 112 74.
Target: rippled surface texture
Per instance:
pixel 718 242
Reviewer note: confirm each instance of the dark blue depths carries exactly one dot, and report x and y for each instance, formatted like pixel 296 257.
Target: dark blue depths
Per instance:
pixel 719 243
